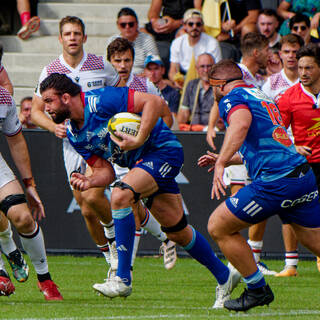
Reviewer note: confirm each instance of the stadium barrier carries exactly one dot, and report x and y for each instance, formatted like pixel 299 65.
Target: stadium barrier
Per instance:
pixel 64 228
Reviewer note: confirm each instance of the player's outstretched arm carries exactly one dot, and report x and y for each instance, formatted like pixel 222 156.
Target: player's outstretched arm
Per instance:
pixel 213 118
pixel 20 154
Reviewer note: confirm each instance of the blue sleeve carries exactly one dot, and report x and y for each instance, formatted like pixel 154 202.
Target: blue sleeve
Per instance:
pixel 112 100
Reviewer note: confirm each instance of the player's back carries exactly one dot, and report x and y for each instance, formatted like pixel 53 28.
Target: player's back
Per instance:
pixel 268 152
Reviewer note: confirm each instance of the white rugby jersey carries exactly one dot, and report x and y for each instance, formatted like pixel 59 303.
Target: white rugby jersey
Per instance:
pixel 9 122
pixel 93 72
pixel 248 77
pixel 277 84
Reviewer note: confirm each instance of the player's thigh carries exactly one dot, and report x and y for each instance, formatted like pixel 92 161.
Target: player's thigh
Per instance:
pixel 223 222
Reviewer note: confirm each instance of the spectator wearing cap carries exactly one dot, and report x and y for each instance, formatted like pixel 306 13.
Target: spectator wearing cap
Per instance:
pixel 198 98
pixel 143 43
pixel 193 43
pixel 154 70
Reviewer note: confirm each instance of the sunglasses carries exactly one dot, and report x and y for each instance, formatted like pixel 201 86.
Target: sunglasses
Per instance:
pixel 296 28
pixel 124 24
pixel 198 24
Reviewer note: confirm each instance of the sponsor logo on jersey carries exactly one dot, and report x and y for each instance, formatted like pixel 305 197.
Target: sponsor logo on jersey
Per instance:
pixel 314 131
pixel 305 198
pixel 96 83
pixel 281 136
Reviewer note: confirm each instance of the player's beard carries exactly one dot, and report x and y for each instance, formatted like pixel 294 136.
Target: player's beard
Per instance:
pixel 62 115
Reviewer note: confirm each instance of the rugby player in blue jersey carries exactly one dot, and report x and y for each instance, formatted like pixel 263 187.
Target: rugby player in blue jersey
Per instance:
pixel 154 158
pixel 283 182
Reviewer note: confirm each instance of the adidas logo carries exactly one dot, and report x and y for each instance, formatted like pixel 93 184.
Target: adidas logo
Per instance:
pixel 149 164
pixel 122 248
pixel 234 201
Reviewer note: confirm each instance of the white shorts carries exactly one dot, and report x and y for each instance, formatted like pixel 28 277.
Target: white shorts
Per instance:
pixel 6 174
pixel 236 174
pixel 73 161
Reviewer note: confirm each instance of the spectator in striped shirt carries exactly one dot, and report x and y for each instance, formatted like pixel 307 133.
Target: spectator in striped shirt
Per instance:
pixel 143 43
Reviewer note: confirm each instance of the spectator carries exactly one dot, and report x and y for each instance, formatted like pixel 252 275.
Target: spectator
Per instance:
pixel 29 25
pixel 299 107
pixel 244 13
pixel 268 23
pixel 198 98
pixel 165 18
pixel 300 25
pixel 143 43
pixel 4 78
pixel 289 8
pixel 25 113
pixel 154 71
pixel 193 42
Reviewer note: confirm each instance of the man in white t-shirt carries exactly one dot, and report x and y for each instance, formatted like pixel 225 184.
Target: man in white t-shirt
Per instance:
pixel 274 87
pixel 193 42
pixel 91 72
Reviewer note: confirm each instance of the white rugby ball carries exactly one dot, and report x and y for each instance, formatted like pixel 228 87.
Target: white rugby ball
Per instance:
pixel 125 122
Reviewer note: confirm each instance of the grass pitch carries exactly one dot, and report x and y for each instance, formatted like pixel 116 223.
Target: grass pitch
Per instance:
pixel 185 292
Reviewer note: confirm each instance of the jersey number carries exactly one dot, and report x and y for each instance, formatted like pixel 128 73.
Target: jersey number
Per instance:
pixel 273 112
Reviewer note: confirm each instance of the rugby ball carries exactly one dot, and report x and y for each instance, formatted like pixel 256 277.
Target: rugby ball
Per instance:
pixel 125 122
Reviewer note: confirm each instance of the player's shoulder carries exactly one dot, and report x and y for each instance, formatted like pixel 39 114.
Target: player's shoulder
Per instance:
pixel 293 91
pixel 93 62
pixel 57 67
pixel 5 97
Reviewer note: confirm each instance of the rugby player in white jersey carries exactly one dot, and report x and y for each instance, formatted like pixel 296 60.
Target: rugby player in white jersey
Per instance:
pixel 19 207
pixel 90 72
pixel 274 87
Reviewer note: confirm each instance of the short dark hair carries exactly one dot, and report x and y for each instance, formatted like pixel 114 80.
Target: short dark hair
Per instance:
pixel 119 45
pixel 310 50
pixel 251 41
pixel 127 12
pixel 299 17
pixel 61 84
pixel 226 70
pixel 27 98
pixel 291 39
pixel 269 12
pixel 73 20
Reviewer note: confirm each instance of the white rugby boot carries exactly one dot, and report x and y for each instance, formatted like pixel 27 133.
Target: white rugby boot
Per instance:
pixel 114 287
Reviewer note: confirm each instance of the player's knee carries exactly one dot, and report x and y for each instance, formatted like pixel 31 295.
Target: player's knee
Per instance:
pixel 23 221
pixel 121 198
pixel 213 230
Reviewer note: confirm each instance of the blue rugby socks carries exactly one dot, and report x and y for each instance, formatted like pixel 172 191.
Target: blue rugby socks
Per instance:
pixel 200 250
pixel 125 230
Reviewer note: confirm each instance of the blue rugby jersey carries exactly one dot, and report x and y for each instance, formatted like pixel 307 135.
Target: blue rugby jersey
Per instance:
pixel 93 138
pixel 267 151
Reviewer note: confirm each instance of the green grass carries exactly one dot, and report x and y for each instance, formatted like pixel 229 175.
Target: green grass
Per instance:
pixel 185 292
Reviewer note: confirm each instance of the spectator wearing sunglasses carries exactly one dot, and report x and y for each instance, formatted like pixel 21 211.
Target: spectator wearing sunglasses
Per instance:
pixel 300 25
pixel 193 42
pixel 143 43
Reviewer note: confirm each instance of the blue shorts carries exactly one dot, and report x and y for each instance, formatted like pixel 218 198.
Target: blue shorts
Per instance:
pixel 163 165
pixel 293 199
